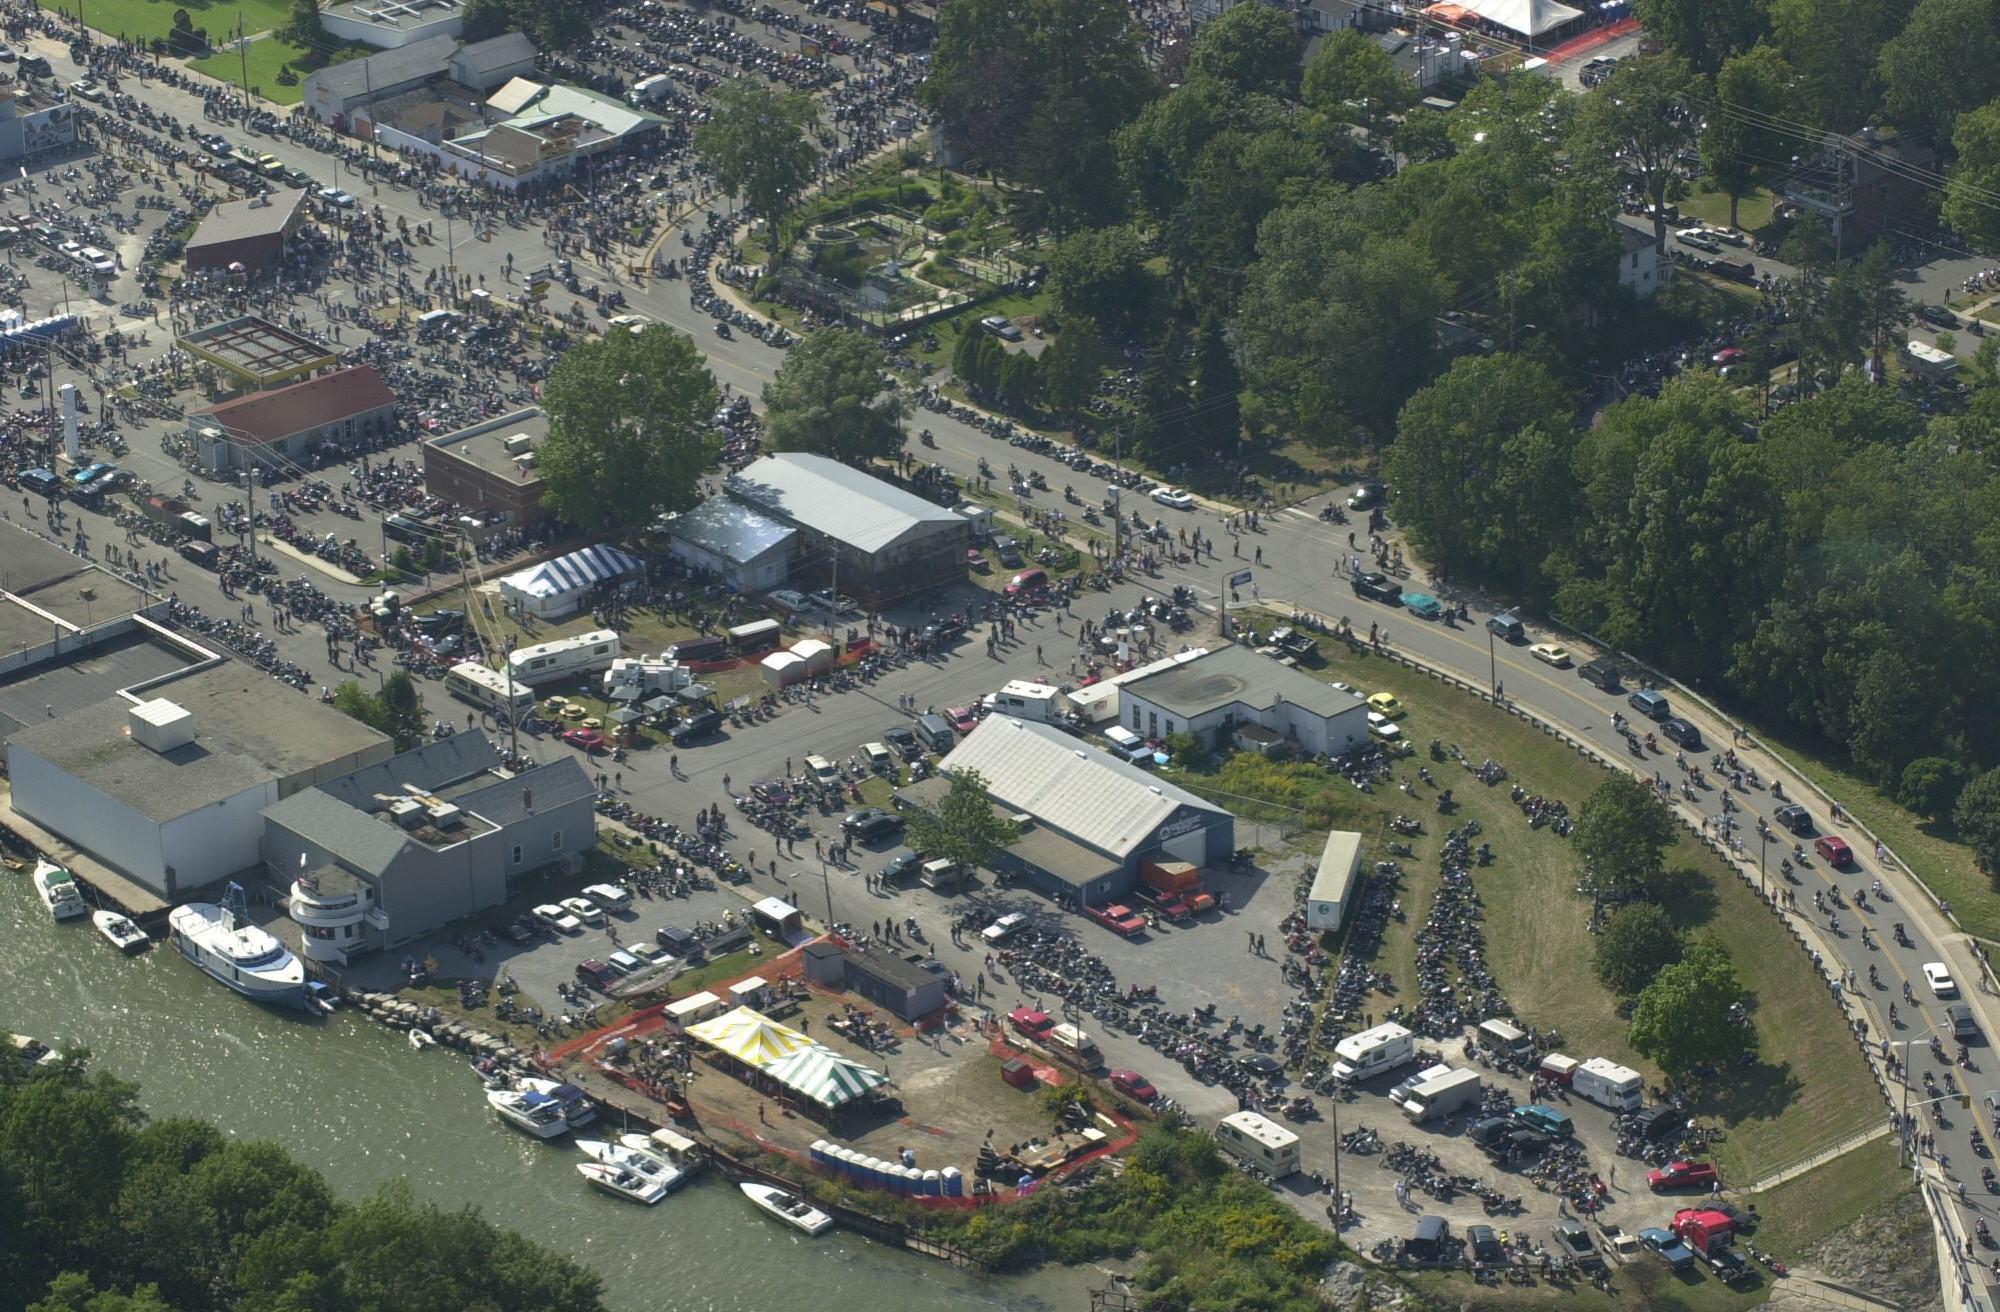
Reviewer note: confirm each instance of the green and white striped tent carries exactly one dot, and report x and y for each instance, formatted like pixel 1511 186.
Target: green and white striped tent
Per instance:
pixel 825 1076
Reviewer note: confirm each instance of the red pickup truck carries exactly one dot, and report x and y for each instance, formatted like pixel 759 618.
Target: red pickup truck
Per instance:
pixel 1170 906
pixel 1117 918
pixel 1030 1022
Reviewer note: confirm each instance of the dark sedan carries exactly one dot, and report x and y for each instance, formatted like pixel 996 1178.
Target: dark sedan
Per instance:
pixel 1377 587
pixel 870 824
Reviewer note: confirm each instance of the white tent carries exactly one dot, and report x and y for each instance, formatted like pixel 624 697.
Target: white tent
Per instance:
pixel 824 1076
pixel 1528 17
pixel 556 587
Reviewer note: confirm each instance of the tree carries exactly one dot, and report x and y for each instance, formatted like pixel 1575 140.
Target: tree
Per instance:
pixel 1945 61
pixel 486 19
pixel 1880 300
pixel 1634 944
pixel 1163 427
pixel 303 27
pixel 1251 47
pixel 1425 135
pixel 1218 406
pixel 964 828
pixel 1623 831
pixel 1977 818
pixel 1682 1019
pixel 755 142
pixel 1746 144
pixel 1353 80
pixel 1100 274
pixel 1072 365
pixel 1641 119
pixel 1970 186
pixel 1930 786
pixel 397 710
pixel 1482 467
pixel 1703 32
pixel 1836 46
pixel 1020 379
pixel 829 398
pixel 629 431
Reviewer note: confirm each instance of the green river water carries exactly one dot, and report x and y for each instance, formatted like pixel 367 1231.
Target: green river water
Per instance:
pixel 353 1100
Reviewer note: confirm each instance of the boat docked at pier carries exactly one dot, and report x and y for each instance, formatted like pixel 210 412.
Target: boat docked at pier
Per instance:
pixel 636 1160
pixel 528 1110
pixel 788 1207
pixel 621 1183
pixel 223 941
pixel 119 931
pixel 576 1106
pixel 57 890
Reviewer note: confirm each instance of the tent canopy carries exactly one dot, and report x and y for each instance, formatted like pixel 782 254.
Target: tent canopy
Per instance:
pixel 1528 17
pixel 751 1037
pixel 825 1076
pixel 556 587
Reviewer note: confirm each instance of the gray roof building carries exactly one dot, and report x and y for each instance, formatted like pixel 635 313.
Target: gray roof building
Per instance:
pixel 748 549
pixel 338 89
pixel 488 64
pixel 1230 685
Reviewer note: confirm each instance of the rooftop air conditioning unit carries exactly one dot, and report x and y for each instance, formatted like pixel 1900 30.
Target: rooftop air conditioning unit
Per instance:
pixel 407 812
pixel 160 724
pixel 446 816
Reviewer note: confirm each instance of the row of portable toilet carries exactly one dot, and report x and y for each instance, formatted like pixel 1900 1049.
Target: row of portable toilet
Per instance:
pixel 805 660
pixel 878 1174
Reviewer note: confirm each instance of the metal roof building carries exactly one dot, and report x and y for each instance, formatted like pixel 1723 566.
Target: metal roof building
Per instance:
pixel 338 89
pixel 750 551
pixel 256 353
pixel 888 542
pixel 1094 800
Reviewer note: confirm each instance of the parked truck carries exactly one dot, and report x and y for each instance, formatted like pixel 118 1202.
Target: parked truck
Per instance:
pixel 1608 1084
pixel 1174 880
pixel 1442 1095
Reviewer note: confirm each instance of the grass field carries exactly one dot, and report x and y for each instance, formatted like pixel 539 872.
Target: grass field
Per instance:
pixel 265 58
pixel 1713 207
pixel 151 18
pixel 1810 1087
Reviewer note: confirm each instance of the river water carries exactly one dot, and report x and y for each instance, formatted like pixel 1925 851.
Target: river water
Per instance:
pixel 353 1100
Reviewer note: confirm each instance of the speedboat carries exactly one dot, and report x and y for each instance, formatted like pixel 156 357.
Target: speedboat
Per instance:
pixel 57 890
pixel 33 1052
pixel 623 1183
pixel 421 1039
pixel 669 1146
pixel 223 941
pixel 123 934
pixel 525 1109
pixel 788 1207
pixel 638 1162
pixel 575 1102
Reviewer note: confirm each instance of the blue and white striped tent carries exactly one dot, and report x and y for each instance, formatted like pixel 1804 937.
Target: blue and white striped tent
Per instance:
pixel 556 587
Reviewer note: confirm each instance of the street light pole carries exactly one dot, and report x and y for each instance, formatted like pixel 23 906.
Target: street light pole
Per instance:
pixel 1492 665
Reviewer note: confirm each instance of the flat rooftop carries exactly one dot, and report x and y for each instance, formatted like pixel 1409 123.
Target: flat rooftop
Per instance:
pixel 258 350
pixel 1233 674
pixel 51 691
pixel 484 445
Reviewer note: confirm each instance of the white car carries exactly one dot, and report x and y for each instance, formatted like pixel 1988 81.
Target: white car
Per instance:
pixel 1383 727
pixel 1550 654
pixel 1699 239
pixel 1173 496
pixel 843 603
pixel 583 909
pixel 790 599
pixel 1940 980
pixel 558 919
pixel 1004 928
pixel 88 89
pixel 337 198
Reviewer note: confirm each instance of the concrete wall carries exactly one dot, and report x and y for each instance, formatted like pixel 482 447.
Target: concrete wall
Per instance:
pixel 217 841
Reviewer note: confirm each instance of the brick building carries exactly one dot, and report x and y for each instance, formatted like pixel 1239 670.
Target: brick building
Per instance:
pixel 291 425
pixel 490 468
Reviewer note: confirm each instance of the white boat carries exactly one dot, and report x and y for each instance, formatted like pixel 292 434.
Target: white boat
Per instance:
pixel 575 1102
pixel 57 890
pixel 34 1052
pixel 123 934
pixel 788 1207
pixel 524 1109
pixel 635 1160
pixel 624 1184
pixel 248 958
pixel 421 1039
pixel 671 1147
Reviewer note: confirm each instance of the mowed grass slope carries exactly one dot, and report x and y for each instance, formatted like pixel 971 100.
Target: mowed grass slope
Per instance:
pixel 151 18
pixel 1810 1087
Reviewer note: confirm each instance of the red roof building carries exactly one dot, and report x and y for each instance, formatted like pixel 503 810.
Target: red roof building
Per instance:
pixel 290 425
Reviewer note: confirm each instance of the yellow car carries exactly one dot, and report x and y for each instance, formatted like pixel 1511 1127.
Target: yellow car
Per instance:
pixel 1550 654
pixel 1385 703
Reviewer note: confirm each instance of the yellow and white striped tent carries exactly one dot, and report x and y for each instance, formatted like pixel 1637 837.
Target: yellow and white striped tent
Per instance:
pixel 751 1037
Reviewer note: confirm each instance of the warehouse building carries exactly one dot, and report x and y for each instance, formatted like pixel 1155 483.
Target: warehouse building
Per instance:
pixel 252 233
pixel 887 543
pixel 1213 694
pixel 402 846
pixel 166 786
pixel 288 426
pixel 1088 820
pixel 748 551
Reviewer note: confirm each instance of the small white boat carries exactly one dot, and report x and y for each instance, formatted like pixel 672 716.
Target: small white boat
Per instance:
pixel 524 1109
pixel 622 1183
pixel 638 1162
pixel 575 1102
pixel 788 1207
pixel 421 1039
pixel 33 1052
pixel 123 934
pixel 57 890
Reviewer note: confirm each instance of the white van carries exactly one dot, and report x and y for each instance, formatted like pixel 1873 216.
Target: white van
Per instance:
pixel 1128 746
pixel 1074 1046
pixel 609 896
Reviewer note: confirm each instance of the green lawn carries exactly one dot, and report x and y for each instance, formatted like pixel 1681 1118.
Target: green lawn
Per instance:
pixel 151 18
pixel 1712 207
pixel 1810 1087
pixel 265 58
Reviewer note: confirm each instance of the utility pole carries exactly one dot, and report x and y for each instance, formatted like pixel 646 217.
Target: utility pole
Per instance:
pixel 242 52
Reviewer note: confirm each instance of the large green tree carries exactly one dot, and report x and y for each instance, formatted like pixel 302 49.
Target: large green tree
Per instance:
pixel 1250 47
pixel 1072 365
pixel 1972 188
pixel 629 428
pixel 1704 32
pixel 1481 468
pixel 1353 80
pixel 1101 274
pixel 1623 831
pixel 1682 1019
pixel 1749 140
pixel 1945 61
pixel 397 710
pixel 756 143
pixel 830 398
pixel 1836 47
pixel 1977 816
pixel 963 827
pixel 1641 120
pixel 1634 944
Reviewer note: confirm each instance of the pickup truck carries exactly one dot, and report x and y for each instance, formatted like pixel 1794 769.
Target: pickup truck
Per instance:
pixel 1377 587
pixel 1170 906
pixel 1117 918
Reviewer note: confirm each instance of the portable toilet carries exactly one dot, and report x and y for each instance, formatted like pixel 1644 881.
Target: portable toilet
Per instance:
pixel 953 1181
pixel 817 655
pixel 818 1152
pixel 933 1184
